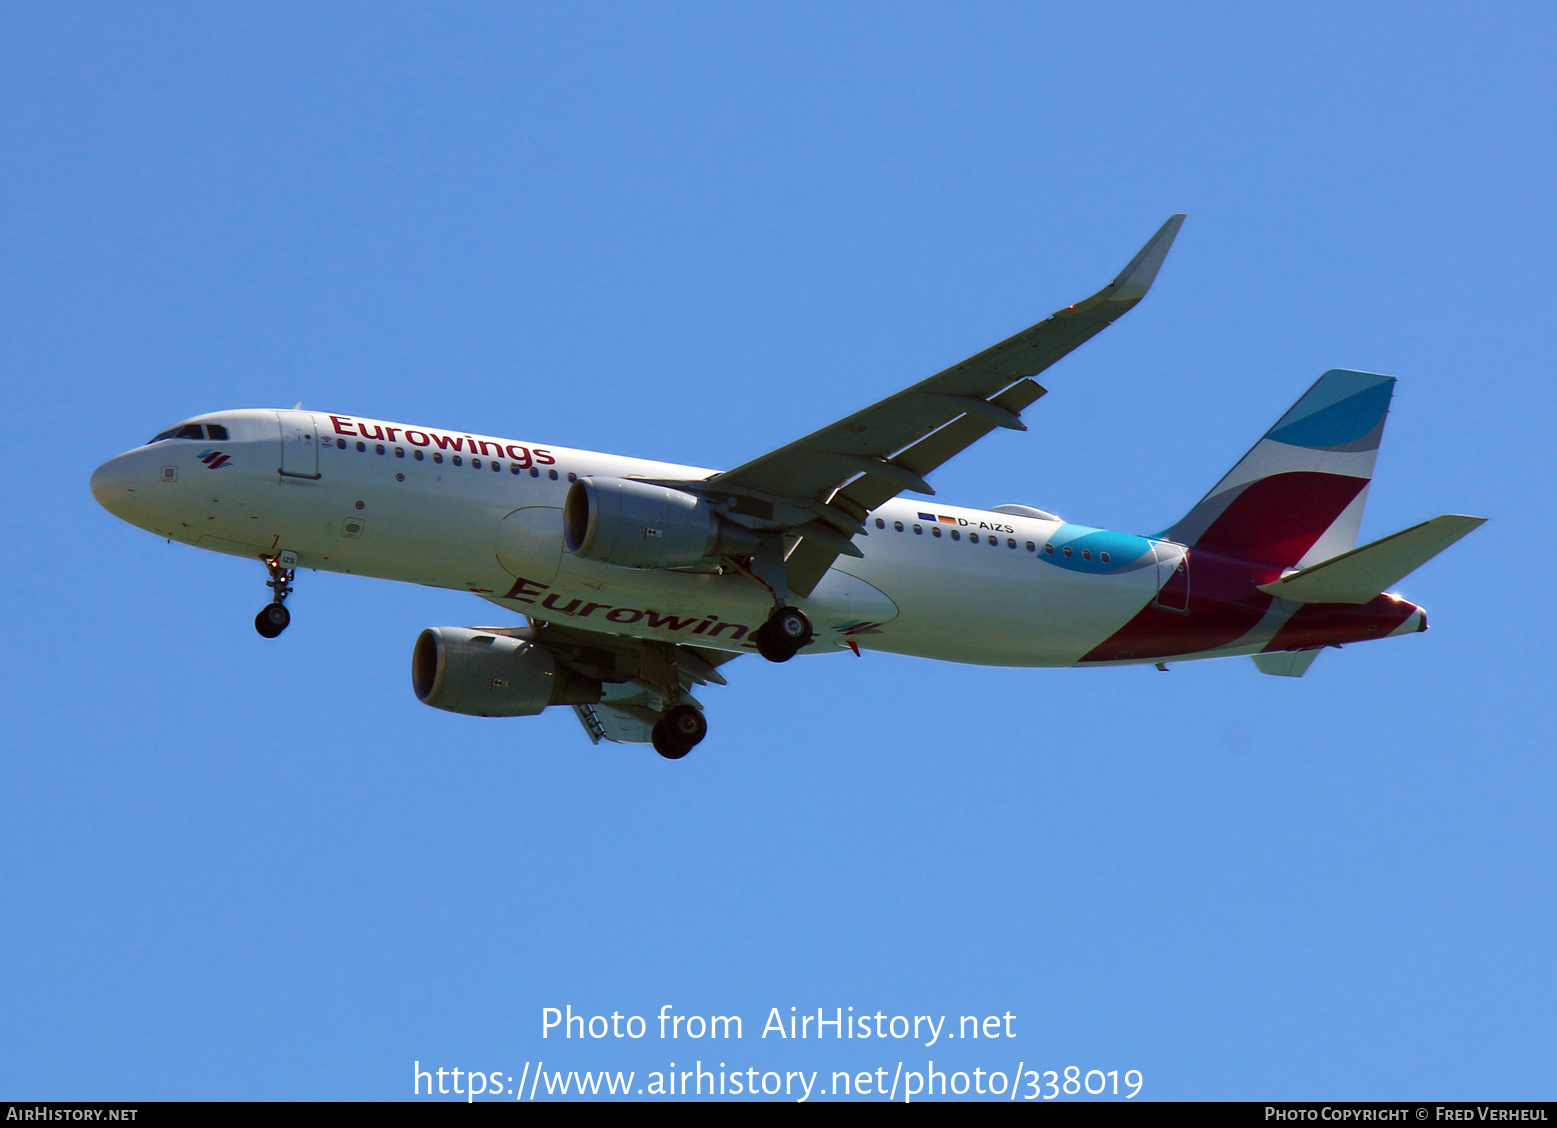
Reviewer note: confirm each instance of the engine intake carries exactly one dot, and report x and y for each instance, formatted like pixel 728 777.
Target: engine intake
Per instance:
pixel 639 525
pixel 482 674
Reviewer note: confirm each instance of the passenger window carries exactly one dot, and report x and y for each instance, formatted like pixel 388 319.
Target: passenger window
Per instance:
pixel 497 467
pixel 361 446
pixel 475 463
pixel 1031 547
pixel 513 468
pixel 340 444
pixel 418 456
pixel 1048 550
pixel 935 530
pixel 572 477
pixel 216 431
pixel 437 457
pixel 378 448
pixel 1067 550
pixel 1086 554
pixel 458 461
pixel 1010 542
pixel 535 472
pixel 955 535
pixel 918 530
pixel 897 526
pixel 880 524
pixel 400 452
pixel 1103 556
pixel 974 537
pixel 552 474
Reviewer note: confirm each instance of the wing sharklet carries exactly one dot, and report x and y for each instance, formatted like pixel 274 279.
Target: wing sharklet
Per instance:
pixel 1137 278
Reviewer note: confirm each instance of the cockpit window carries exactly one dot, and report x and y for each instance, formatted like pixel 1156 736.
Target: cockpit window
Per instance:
pixel 216 432
pixel 189 431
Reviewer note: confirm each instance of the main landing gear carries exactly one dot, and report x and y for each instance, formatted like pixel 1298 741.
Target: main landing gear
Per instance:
pixel 679 731
pixel 784 634
pixel 274 616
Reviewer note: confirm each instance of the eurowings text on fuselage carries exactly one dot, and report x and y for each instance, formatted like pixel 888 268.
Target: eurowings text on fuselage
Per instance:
pixel 639 579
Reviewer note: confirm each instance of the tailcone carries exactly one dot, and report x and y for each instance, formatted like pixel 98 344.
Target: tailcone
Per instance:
pixel 1415 623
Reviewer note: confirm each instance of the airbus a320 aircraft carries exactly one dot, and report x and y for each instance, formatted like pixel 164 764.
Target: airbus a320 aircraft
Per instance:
pixel 638 580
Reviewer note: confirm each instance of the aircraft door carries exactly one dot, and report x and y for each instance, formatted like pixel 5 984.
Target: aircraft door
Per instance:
pixel 1172 576
pixel 299 445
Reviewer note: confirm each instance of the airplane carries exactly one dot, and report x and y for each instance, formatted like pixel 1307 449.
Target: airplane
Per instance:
pixel 638 580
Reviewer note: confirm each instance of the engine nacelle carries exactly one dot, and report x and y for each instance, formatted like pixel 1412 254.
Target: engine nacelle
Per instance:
pixel 639 525
pixel 481 674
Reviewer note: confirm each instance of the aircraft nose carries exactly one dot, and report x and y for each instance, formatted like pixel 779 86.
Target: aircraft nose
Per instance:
pixel 114 484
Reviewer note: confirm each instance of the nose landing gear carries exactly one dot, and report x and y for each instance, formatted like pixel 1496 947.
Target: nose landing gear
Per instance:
pixel 274 616
pixel 783 636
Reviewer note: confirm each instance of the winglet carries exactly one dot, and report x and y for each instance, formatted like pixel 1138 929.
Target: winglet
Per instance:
pixel 1135 279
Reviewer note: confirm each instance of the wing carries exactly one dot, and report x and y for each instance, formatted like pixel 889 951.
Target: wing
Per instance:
pixel 843 471
pixel 825 459
pixel 641 677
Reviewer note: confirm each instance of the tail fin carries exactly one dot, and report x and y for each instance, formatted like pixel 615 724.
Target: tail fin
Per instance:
pixel 1296 498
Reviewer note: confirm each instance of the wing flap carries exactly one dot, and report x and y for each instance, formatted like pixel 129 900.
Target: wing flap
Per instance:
pixel 1286 663
pixel 1364 573
pixel 641 677
pixel 606 722
pixel 809 560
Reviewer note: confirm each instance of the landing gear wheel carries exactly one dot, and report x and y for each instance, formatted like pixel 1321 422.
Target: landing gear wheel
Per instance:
pixel 679 731
pixel 272 620
pixel 274 617
pixel 783 635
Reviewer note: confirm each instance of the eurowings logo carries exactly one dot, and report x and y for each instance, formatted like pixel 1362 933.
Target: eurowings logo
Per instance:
pixel 214 459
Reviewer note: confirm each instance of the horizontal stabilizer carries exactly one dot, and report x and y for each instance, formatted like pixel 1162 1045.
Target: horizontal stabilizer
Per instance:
pixel 1286 663
pixel 1364 573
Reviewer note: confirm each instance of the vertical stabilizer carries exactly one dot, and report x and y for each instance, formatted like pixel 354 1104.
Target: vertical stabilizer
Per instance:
pixel 1297 497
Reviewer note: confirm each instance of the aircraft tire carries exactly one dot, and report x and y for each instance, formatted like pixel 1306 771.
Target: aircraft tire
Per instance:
pixel 665 744
pixel 769 647
pixel 792 626
pixel 679 731
pixel 785 633
pixel 272 620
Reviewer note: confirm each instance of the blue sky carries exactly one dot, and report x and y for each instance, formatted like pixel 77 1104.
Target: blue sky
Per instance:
pixel 234 868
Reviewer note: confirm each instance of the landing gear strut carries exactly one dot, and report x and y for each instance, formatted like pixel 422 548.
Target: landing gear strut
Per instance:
pixel 679 731
pixel 783 635
pixel 274 616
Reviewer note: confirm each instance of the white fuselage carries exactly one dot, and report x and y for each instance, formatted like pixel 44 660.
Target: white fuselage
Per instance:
pixel 940 582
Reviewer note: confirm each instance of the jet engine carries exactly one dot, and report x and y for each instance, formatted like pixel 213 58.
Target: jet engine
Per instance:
pixel 484 674
pixel 640 525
